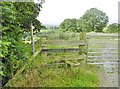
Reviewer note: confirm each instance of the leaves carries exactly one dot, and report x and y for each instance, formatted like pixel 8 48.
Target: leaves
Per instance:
pixel 69 25
pixel 16 18
pixel 93 20
pixel 113 28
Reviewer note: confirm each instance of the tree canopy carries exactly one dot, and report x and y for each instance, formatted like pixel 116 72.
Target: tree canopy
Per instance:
pixel 92 20
pixel 68 25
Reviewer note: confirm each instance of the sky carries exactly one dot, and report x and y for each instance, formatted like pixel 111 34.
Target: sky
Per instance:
pixel 55 11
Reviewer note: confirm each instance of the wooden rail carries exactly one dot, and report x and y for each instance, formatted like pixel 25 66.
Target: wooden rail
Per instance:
pixel 102 57
pixel 59 49
pixel 103 42
pixel 102 48
pixel 93 55
pixel 102 52
pixel 101 63
pixel 102 35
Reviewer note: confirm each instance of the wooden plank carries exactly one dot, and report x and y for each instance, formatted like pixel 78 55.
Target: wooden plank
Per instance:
pixel 101 63
pixel 103 35
pixel 67 44
pixel 101 60
pixel 103 43
pixel 87 50
pixel 59 49
pixel 64 44
pixel 29 42
pixel 102 52
pixel 102 57
pixel 65 41
pixel 102 48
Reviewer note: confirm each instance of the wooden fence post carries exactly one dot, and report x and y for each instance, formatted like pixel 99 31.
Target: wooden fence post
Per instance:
pixel 81 49
pixel 32 40
pixel 82 38
pixel 87 43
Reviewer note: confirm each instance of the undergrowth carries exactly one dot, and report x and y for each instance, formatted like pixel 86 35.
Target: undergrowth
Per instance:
pixel 40 75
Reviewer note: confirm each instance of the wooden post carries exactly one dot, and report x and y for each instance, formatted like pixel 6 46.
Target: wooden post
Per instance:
pixel 81 49
pixel 87 42
pixel 82 38
pixel 32 40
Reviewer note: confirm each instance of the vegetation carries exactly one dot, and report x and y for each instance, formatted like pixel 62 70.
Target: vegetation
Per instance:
pixel 38 74
pixel 43 72
pixel 69 25
pixel 16 18
pixel 92 20
pixel 113 28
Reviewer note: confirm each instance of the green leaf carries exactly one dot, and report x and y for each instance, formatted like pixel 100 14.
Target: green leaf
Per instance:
pixel 2 73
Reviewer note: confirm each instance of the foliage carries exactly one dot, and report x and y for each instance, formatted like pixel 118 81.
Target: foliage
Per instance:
pixel 68 25
pixel 16 18
pixel 93 20
pixel 58 35
pixel 63 36
pixel 113 28
pixel 41 75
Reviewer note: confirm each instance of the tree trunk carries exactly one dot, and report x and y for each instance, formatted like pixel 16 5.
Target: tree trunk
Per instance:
pixel 32 40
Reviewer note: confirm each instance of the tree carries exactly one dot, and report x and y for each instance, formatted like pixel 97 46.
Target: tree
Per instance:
pixel 113 28
pixel 17 18
pixel 93 20
pixel 29 17
pixel 69 25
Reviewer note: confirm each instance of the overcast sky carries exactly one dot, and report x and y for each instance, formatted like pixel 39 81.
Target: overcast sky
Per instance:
pixel 55 11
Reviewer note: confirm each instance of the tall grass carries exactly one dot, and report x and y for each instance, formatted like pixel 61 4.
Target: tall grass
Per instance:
pixel 40 75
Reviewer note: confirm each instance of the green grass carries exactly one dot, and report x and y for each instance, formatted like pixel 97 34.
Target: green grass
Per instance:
pixel 59 77
pixel 39 75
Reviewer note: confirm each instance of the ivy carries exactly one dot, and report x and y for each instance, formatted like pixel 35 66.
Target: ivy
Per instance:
pixel 16 19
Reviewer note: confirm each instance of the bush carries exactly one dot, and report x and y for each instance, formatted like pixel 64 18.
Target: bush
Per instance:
pixel 63 36
pixel 112 28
